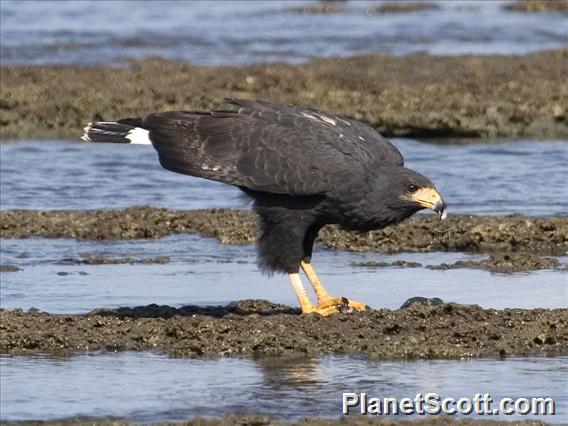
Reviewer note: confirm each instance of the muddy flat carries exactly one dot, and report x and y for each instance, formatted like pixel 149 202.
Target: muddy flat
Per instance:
pixel 516 243
pixel 256 327
pixel 413 96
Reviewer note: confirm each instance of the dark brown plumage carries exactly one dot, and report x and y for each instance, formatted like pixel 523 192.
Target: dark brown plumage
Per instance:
pixel 303 167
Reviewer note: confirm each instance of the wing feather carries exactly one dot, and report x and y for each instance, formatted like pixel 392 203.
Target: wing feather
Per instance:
pixel 269 147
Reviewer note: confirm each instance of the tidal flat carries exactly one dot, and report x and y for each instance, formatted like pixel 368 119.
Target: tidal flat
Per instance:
pixel 418 95
pixel 515 241
pixel 260 328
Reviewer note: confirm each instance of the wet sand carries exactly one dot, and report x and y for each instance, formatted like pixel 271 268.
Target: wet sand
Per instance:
pixel 516 243
pixel 417 95
pixel 260 328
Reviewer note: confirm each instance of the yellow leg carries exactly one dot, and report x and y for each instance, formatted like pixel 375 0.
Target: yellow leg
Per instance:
pixel 305 302
pixel 319 289
pixel 327 304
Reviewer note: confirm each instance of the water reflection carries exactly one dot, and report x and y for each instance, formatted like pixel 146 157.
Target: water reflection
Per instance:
pixel 203 272
pixel 152 387
pixel 298 372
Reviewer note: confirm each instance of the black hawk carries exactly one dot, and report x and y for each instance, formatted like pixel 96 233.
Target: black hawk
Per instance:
pixel 303 168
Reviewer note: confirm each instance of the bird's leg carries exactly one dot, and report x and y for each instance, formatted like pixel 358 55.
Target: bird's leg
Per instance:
pixel 327 304
pixel 319 289
pixel 305 302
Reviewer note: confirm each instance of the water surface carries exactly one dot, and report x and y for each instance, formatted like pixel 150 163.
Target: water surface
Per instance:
pixel 242 32
pixel 150 387
pixel 203 272
pixel 524 176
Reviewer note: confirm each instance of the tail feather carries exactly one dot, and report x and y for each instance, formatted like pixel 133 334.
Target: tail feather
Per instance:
pixel 128 130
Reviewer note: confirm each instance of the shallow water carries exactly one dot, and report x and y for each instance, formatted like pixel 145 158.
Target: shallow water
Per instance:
pixel 203 272
pixel 484 179
pixel 151 387
pixel 528 177
pixel 211 32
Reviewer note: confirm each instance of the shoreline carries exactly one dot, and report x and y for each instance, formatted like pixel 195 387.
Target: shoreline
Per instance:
pixel 419 95
pixel 514 243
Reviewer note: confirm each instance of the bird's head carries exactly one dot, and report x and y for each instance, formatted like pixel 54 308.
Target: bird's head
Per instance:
pixel 409 191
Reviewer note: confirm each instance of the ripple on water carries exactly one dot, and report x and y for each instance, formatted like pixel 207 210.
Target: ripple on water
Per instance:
pixel 204 272
pixel 38 33
pixel 474 179
pixel 152 387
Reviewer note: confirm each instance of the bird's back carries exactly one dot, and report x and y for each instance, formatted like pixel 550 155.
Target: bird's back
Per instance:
pixel 268 147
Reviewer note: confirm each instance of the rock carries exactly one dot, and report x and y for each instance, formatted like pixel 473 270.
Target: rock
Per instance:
pixel 424 301
pixel 9 268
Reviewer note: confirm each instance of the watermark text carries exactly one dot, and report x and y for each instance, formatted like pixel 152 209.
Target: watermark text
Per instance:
pixel 432 403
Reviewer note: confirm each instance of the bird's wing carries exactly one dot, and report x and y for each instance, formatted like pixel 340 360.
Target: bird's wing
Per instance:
pixel 356 137
pixel 268 147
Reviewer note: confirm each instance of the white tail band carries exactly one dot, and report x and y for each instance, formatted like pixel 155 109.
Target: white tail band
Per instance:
pixel 86 129
pixel 139 136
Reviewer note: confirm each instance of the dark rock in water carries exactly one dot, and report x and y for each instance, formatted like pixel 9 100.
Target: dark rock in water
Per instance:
pixel 446 266
pixel 424 301
pixel 101 260
pixel 62 273
pixel 161 260
pixel 9 268
pixel 325 9
pixel 504 263
pixel 518 262
pixel 259 307
pixel 402 7
pixel 406 264
pixel 241 307
pixel 396 263
pixel 537 6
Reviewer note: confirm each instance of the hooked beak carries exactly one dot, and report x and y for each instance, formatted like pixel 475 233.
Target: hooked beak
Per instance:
pixel 440 208
pixel 430 198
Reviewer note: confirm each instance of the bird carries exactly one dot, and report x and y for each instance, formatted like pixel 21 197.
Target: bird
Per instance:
pixel 302 167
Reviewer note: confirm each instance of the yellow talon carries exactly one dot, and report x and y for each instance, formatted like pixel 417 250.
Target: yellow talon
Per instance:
pixel 327 304
pixel 337 305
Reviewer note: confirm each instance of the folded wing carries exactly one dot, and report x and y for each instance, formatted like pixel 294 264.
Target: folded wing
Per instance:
pixel 269 147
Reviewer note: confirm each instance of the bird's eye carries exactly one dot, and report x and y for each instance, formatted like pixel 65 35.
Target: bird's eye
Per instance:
pixel 412 188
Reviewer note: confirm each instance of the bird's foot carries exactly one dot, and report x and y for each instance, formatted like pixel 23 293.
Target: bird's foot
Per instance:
pixel 336 305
